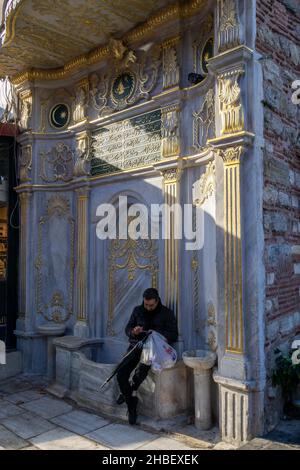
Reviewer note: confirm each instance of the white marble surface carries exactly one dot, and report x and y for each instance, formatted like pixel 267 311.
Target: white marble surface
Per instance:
pixel 8 409
pixel 165 443
pixel 119 436
pixel 24 397
pixel 47 407
pixel 14 386
pixel 224 446
pixel 27 425
pixel 61 439
pixel 45 423
pixel 80 422
pixel 10 441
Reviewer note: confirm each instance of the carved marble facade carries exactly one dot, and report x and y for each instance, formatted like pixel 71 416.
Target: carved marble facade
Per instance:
pixel 124 119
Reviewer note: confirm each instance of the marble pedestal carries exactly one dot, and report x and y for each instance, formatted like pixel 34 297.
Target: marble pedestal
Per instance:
pixel 202 363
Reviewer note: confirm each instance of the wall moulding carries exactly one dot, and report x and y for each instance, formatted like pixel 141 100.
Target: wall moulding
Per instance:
pixel 55 305
pixel 235 57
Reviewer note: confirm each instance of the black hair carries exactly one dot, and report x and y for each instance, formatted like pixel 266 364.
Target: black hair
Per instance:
pixel 151 293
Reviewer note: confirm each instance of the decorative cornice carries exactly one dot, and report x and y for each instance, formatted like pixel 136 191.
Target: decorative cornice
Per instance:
pixel 230 140
pixel 154 22
pixel 10 21
pixel 232 58
pixel 171 42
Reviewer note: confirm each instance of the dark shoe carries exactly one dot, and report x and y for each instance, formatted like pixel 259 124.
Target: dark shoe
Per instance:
pixel 132 407
pixel 120 399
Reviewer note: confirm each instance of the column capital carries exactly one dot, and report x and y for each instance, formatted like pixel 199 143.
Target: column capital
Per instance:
pixel 25 196
pixel 171 171
pixel 172 175
pixel 232 154
pixel 83 192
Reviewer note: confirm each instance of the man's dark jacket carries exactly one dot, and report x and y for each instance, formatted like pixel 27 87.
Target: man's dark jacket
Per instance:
pixel 161 319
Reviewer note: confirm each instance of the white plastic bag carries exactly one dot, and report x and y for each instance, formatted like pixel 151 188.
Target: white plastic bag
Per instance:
pixel 158 353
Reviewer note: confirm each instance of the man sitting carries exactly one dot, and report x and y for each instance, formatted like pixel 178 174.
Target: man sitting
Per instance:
pixel 150 315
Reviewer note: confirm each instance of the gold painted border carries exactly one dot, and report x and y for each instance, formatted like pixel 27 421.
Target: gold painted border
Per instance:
pixel 11 19
pixel 155 21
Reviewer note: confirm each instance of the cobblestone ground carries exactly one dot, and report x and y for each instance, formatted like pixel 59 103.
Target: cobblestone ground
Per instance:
pixel 31 419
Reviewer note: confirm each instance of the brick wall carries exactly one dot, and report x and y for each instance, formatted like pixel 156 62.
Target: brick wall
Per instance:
pixel 278 41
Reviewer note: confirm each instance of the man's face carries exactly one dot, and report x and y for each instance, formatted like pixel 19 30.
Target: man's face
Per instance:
pixel 150 304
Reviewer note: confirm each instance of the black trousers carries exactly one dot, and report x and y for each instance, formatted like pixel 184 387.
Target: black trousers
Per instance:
pixel 123 374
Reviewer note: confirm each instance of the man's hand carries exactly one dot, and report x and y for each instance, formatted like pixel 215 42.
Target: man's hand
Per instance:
pixel 137 330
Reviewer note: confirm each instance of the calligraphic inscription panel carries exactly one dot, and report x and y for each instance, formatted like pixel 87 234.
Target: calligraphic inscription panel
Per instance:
pixel 127 144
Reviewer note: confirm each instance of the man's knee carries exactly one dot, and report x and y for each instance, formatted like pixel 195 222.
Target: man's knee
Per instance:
pixel 142 371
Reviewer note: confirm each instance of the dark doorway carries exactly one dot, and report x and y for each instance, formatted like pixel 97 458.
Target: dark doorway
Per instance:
pixel 9 234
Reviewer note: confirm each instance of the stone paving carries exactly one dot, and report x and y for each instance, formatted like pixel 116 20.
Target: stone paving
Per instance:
pixel 31 419
pixel 286 436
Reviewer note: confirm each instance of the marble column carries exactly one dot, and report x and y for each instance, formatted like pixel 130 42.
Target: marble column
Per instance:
pixel 172 226
pixel 239 333
pixel 81 328
pixel 24 198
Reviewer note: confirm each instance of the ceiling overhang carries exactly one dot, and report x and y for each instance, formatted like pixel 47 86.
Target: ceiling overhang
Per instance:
pixel 48 39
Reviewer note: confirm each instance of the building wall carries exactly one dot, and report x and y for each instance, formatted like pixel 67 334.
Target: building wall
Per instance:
pixel 278 40
pixel 58 206
pixel 217 294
